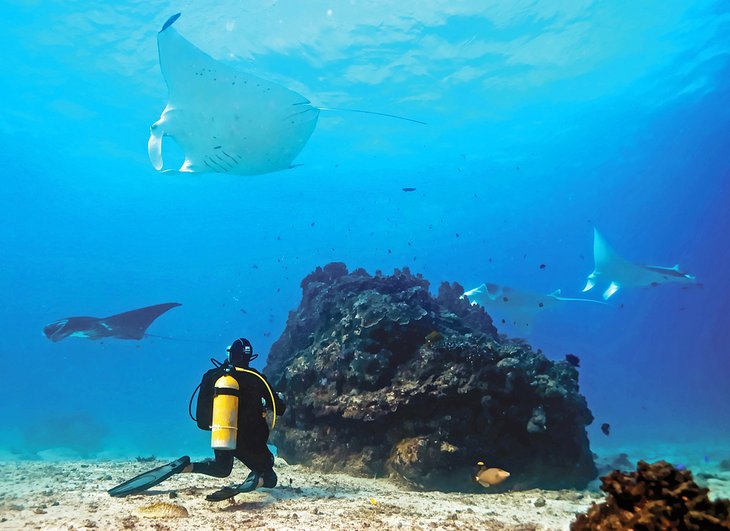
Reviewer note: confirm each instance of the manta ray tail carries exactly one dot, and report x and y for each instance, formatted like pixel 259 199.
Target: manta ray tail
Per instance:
pixel 337 109
pixel 556 295
pixel 182 340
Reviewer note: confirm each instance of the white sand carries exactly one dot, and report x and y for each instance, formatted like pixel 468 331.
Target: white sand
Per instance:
pixel 72 495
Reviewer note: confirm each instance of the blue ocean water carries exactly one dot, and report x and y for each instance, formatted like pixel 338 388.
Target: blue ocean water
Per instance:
pixel 543 121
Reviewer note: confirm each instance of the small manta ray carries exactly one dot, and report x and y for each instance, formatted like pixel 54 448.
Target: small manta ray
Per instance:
pixel 517 307
pixel 127 325
pixel 225 120
pixel 617 272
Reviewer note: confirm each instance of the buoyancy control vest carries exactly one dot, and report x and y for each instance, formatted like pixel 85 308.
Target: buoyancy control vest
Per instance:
pixel 206 393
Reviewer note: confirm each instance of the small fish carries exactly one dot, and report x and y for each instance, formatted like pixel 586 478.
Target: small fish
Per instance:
pixel 505 299
pixel 433 337
pixel 408 189
pixel 542 266
pixel 606 428
pixel 681 466
pixel 575 362
pixel 541 305
pixel 488 477
pixel 373 502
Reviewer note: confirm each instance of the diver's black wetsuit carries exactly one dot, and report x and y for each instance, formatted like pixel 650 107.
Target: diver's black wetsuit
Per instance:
pixel 253 431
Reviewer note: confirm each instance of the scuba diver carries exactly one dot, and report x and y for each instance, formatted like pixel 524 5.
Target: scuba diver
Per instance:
pixel 231 402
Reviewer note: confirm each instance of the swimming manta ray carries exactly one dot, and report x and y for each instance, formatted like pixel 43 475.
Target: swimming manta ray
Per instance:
pixel 516 307
pixel 127 325
pixel 226 121
pixel 614 270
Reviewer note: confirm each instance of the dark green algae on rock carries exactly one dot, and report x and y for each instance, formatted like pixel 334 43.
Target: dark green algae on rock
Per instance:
pixel 383 378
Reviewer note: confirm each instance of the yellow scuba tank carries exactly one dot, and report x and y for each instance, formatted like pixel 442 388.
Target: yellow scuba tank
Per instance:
pixel 225 414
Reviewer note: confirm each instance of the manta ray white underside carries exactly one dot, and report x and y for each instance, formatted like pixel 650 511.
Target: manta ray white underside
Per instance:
pixel 225 121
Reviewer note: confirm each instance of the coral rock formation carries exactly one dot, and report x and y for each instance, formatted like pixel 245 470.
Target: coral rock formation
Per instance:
pixel 656 497
pixel 381 378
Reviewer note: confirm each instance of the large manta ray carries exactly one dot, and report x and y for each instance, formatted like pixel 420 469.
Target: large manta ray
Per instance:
pixel 615 272
pixel 127 325
pixel 518 308
pixel 225 120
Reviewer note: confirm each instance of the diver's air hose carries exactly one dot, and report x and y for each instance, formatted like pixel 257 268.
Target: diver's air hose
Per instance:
pixel 271 393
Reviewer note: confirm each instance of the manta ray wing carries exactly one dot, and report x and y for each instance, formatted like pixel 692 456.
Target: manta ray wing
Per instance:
pixel 133 324
pixel 226 121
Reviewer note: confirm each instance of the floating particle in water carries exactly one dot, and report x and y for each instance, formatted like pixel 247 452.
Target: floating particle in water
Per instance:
pixel 606 429
pixel 490 260
pixel 244 312
pixel 389 251
pixel 504 322
pixel 311 224
pixel 457 234
pixel 542 266
pixel 541 305
pixel 408 189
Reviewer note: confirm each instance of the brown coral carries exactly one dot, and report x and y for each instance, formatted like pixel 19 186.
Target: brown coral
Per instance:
pixel 162 510
pixel 383 378
pixel 657 497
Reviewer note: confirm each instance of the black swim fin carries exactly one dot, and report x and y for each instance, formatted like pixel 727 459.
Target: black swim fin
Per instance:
pixel 251 483
pixel 149 479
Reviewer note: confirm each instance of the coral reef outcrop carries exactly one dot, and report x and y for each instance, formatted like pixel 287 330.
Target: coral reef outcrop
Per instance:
pixel 383 378
pixel 656 497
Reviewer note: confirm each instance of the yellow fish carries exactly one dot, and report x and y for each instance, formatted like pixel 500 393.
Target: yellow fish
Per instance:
pixel 487 477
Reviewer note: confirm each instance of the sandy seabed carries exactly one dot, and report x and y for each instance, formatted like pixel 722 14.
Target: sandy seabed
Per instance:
pixel 70 495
